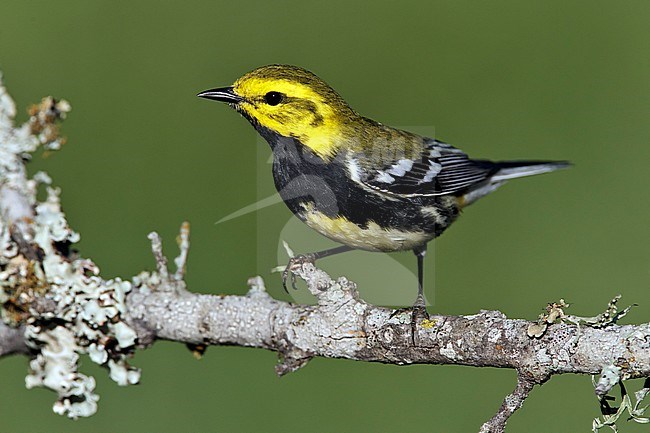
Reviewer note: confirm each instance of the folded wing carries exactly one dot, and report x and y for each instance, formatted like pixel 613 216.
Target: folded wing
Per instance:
pixel 439 169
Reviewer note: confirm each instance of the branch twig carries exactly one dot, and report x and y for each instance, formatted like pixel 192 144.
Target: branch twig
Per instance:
pixel 511 403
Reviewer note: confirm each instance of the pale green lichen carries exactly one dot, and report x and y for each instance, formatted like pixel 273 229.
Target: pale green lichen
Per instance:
pixel 611 415
pixel 555 312
pixel 85 313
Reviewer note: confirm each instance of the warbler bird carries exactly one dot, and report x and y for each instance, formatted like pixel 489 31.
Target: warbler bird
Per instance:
pixel 362 184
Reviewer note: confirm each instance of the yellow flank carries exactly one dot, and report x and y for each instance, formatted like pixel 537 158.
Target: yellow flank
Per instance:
pixel 370 238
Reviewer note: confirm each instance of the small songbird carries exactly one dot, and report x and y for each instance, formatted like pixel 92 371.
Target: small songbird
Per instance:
pixel 360 183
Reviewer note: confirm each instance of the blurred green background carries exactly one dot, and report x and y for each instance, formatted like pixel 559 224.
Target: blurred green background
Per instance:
pixel 500 79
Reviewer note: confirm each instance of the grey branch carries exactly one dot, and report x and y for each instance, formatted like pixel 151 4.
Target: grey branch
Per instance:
pixel 56 306
pixel 511 403
pixel 343 326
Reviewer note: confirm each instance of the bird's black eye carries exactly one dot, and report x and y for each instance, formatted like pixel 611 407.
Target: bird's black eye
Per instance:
pixel 273 98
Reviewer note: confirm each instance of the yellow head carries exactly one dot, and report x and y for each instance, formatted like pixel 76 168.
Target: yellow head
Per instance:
pixel 292 102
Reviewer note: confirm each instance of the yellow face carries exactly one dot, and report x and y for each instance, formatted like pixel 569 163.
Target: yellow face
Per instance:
pixel 294 103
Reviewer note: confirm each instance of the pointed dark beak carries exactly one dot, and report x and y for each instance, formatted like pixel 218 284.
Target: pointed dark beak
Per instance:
pixel 223 94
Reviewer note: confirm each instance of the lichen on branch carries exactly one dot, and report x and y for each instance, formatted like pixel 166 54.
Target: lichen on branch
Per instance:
pixel 59 300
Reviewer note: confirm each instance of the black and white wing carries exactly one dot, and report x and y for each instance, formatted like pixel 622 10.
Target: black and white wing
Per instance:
pixel 439 169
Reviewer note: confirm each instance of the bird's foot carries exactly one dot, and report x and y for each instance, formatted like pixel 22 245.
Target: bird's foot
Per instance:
pixel 294 262
pixel 418 313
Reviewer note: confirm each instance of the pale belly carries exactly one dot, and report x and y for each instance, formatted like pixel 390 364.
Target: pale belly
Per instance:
pixel 372 237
